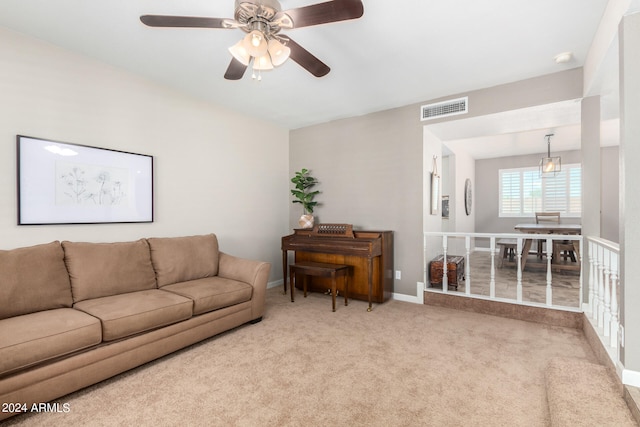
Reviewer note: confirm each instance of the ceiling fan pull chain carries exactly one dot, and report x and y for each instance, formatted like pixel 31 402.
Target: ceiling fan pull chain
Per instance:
pixel 257 77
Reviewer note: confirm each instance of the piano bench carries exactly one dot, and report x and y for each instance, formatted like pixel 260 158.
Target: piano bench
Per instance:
pixel 321 269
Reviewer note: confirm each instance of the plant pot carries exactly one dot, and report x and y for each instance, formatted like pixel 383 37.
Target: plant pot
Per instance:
pixel 306 221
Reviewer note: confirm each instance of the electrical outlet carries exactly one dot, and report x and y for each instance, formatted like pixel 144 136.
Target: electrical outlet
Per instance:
pixel 398 275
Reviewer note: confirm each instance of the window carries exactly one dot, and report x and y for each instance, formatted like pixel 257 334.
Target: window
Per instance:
pixel 523 192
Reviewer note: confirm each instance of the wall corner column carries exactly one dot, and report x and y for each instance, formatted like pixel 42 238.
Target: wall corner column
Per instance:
pixel 591 181
pixel 629 37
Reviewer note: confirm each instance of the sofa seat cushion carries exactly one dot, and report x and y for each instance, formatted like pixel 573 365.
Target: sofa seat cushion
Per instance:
pixel 134 312
pixel 33 338
pixel 212 293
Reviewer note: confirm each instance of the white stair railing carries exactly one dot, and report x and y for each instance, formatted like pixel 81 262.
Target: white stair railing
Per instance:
pixel 444 245
pixel 603 304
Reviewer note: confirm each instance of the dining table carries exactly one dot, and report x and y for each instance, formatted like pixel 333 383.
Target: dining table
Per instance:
pixel 550 228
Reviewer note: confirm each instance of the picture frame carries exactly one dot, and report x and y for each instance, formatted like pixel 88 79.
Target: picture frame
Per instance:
pixel 64 183
pixel 445 207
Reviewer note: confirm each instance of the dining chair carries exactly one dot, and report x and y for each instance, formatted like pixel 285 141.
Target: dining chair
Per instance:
pixel 548 217
pixel 542 217
pixel 563 248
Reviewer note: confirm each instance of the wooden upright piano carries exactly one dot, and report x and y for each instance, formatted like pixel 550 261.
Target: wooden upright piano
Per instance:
pixel 369 252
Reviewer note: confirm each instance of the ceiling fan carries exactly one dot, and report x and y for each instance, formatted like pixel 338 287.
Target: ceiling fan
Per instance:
pixel 264 44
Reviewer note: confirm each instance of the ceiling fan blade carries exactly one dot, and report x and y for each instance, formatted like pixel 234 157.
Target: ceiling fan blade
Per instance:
pixel 236 70
pixel 306 60
pixel 187 21
pixel 324 13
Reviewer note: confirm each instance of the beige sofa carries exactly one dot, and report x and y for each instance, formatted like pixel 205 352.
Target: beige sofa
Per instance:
pixel 73 314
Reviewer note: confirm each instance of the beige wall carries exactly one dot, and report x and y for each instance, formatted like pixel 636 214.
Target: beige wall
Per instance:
pixel 610 194
pixel 211 172
pixel 370 173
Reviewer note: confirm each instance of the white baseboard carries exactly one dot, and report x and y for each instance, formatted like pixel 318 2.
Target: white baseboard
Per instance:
pixel 400 297
pixel 275 283
pixel 631 378
pixel 419 299
pixel 405 298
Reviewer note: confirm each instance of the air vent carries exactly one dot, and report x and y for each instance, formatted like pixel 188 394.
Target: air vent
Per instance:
pixel 445 108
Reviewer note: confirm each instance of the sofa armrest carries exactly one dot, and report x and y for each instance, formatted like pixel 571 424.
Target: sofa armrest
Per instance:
pixel 255 273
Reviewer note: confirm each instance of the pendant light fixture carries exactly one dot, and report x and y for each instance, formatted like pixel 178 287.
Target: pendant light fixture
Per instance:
pixel 550 166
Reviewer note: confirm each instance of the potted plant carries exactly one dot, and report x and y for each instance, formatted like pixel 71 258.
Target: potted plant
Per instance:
pixel 303 195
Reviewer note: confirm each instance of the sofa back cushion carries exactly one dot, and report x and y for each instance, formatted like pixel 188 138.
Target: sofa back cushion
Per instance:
pixel 33 279
pixel 104 269
pixel 178 259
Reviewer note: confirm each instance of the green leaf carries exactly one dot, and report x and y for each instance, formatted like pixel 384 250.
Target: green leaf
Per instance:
pixel 303 183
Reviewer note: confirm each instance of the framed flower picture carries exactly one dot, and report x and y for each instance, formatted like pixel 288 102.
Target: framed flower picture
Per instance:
pixel 62 183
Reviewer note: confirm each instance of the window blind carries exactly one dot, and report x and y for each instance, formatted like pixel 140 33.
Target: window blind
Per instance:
pixel 522 192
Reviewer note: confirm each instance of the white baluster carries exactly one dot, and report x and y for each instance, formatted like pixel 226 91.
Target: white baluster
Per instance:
pixel 492 271
pixel 519 276
pixel 581 296
pixel 592 275
pixel 615 322
pixel 445 276
pixel 467 266
pixel 549 249
pixel 600 286
pixel 606 318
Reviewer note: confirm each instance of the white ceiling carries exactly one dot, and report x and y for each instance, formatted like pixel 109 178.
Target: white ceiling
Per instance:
pixel 523 131
pixel 400 52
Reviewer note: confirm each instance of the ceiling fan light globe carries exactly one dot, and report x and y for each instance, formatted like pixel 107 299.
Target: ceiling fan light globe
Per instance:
pixel 262 63
pixel 255 43
pixel 240 53
pixel 279 53
pixel 256 39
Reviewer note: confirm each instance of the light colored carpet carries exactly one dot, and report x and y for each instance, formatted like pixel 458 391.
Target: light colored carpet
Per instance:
pixel 584 394
pixel 402 364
